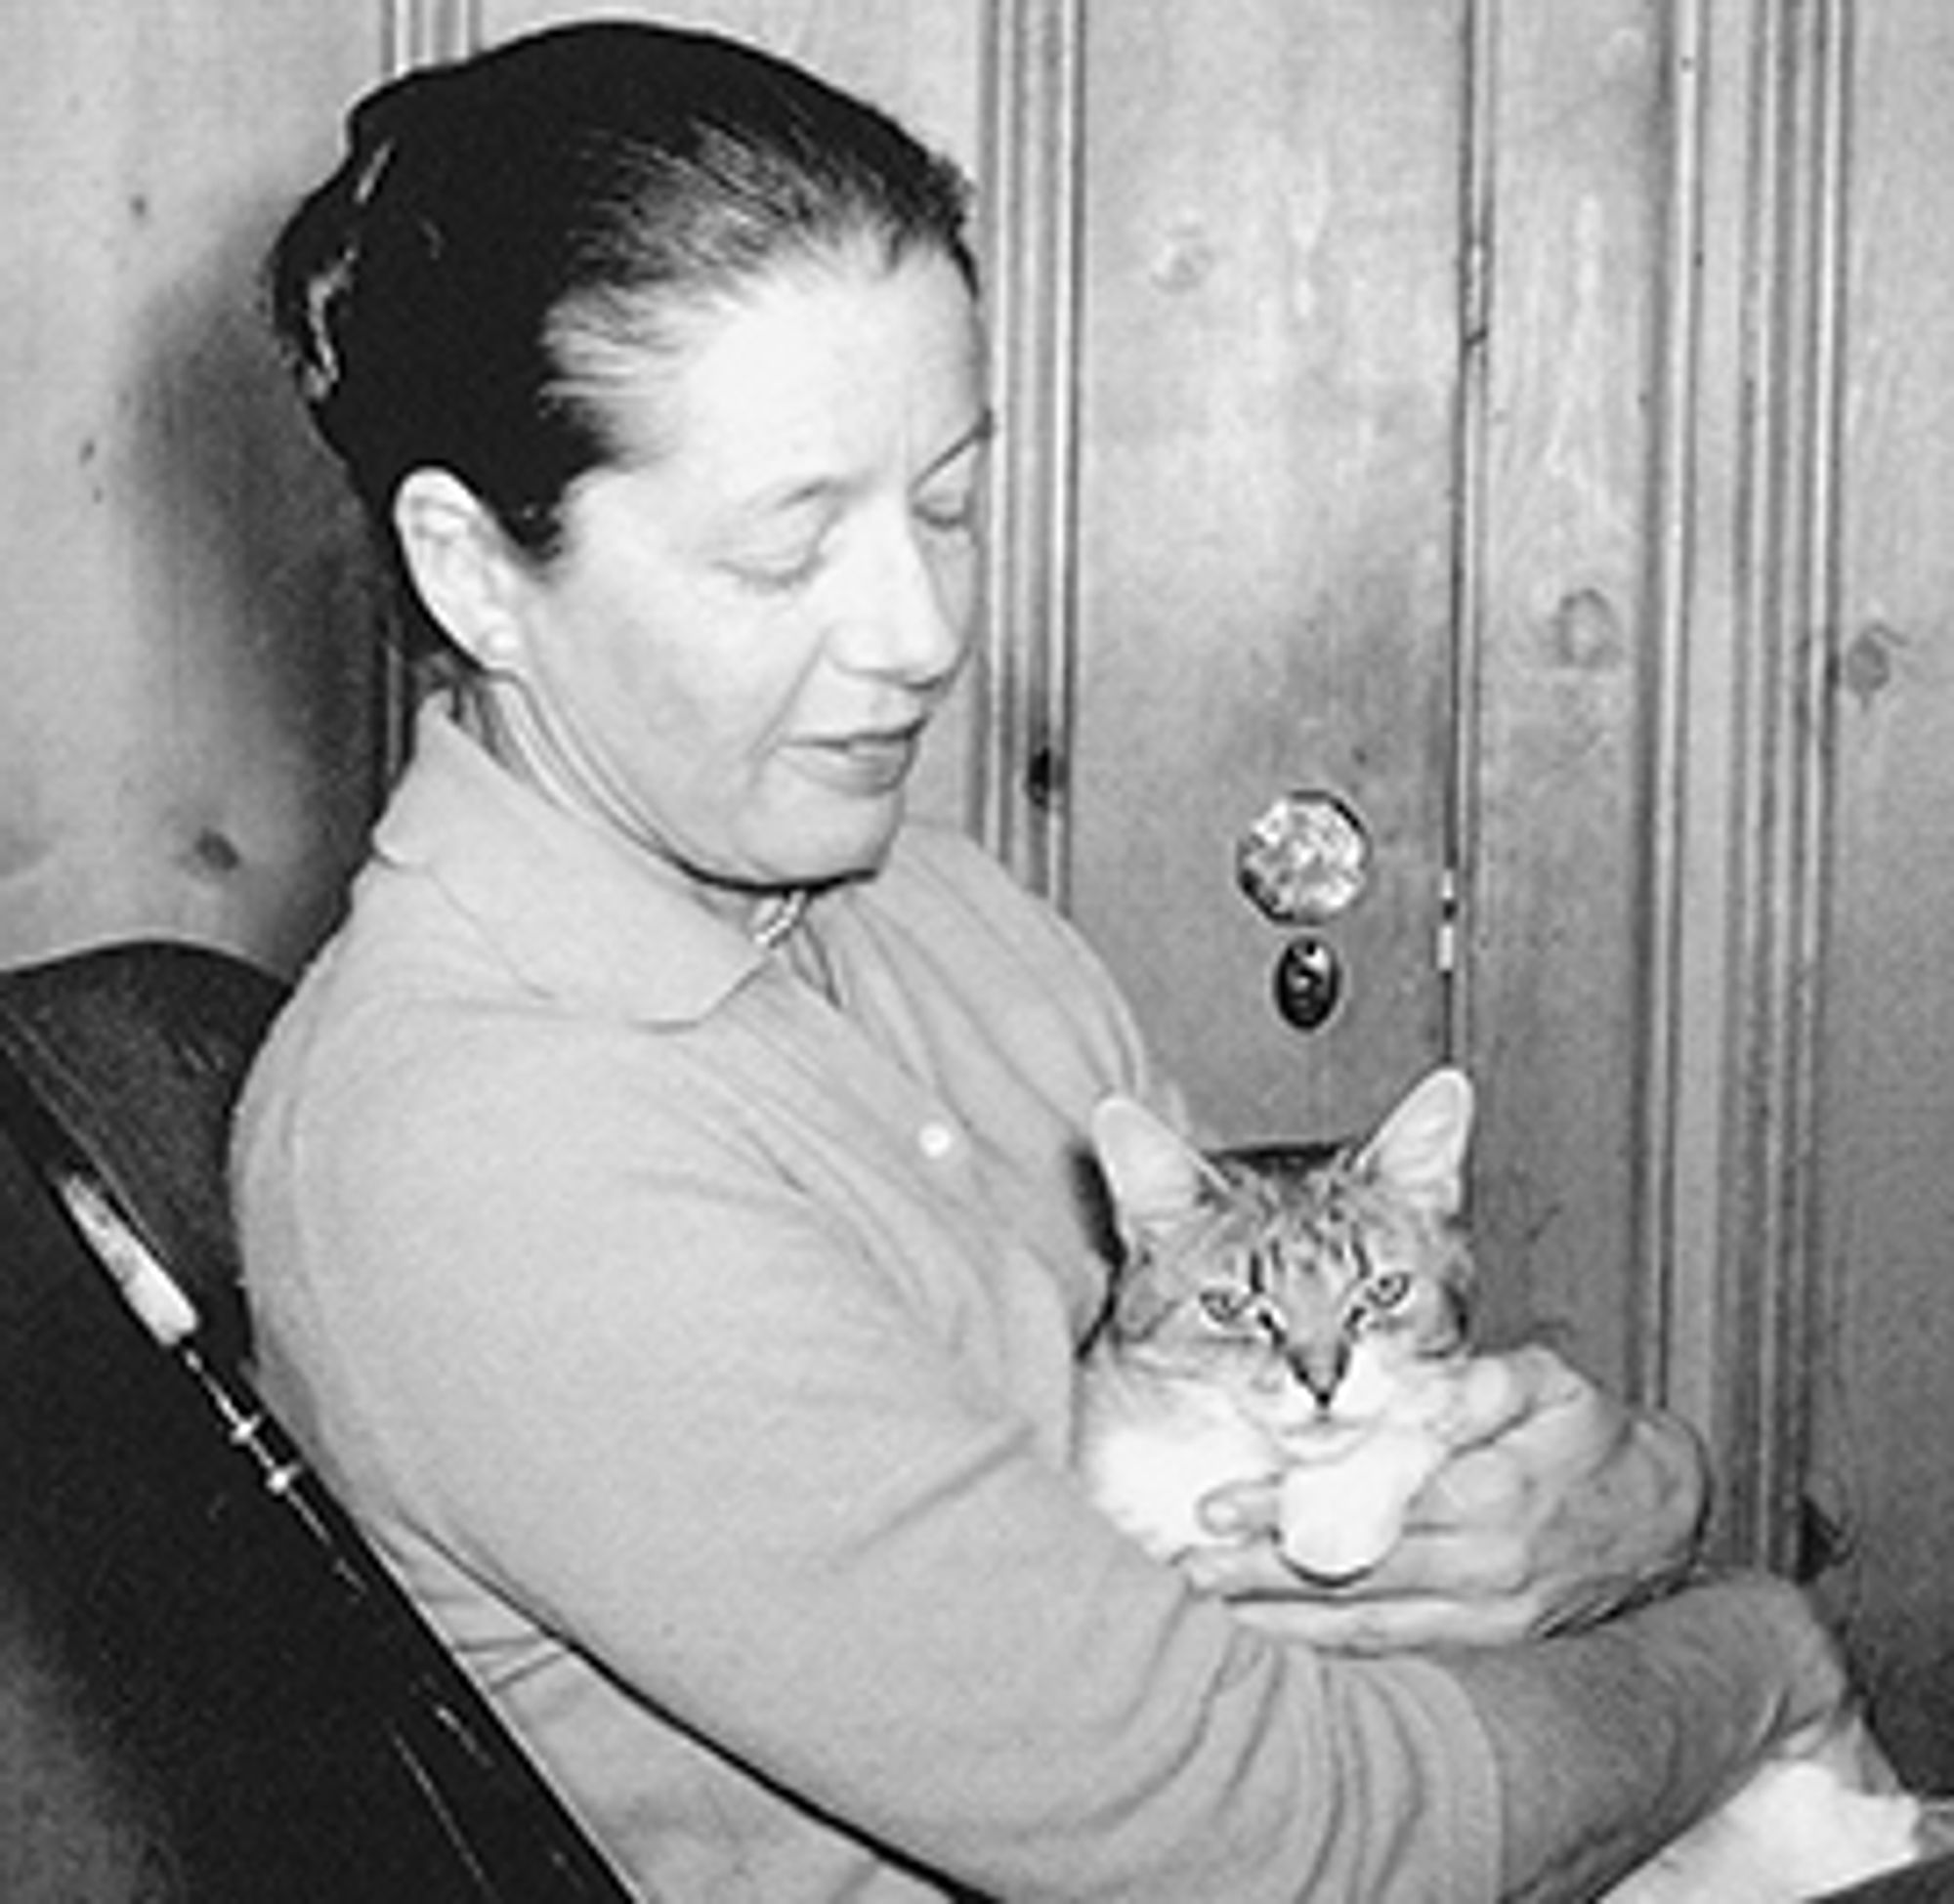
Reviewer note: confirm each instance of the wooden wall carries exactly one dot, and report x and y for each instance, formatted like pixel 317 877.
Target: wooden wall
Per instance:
pixel 183 692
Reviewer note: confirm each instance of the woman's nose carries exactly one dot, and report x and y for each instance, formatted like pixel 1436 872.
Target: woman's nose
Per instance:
pixel 912 617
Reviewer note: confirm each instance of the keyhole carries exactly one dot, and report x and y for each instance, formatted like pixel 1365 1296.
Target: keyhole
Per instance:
pixel 1309 983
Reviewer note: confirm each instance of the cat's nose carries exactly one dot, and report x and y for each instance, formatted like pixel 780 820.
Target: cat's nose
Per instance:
pixel 1321 1370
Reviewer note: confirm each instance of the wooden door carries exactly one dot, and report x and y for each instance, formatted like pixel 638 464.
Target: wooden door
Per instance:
pixel 1370 352
pixel 1267 360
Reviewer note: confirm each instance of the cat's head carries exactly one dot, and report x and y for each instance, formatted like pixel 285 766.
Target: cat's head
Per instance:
pixel 1307 1278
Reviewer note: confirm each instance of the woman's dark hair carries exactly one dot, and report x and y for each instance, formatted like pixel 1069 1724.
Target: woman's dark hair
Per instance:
pixel 501 231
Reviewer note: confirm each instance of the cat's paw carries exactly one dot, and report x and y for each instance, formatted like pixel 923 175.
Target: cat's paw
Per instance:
pixel 1334 1527
pixel 1340 1517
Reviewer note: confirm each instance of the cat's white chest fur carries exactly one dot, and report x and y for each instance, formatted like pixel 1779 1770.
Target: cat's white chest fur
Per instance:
pixel 1149 1469
pixel 1345 1480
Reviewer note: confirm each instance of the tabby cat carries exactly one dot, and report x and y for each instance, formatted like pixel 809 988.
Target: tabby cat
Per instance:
pixel 1288 1310
pixel 1301 1312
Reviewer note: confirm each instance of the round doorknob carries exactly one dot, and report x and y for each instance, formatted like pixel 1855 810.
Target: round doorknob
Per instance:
pixel 1306 859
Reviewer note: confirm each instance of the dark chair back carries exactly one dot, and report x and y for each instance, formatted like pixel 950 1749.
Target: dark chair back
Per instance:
pixel 210 1688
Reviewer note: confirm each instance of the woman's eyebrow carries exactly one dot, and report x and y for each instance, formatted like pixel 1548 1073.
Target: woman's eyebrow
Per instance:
pixel 795 494
pixel 976 437
pixel 824 491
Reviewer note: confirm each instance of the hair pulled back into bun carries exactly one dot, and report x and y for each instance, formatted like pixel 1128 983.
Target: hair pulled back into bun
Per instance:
pixel 506 234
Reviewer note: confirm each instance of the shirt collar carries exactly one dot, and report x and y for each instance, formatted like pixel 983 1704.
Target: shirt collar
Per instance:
pixel 572 910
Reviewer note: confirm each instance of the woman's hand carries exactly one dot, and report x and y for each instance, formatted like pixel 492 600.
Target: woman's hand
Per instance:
pixel 1560 1507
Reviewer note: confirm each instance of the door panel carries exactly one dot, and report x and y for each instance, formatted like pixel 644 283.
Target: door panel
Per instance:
pixel 1882 1345
pixel 1560 526
pixel 1268 350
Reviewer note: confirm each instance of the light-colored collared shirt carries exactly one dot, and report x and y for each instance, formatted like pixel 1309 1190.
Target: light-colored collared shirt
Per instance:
pixel 696 1339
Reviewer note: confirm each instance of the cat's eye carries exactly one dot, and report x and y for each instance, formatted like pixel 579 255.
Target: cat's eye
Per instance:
pixel 1227 1309
pixel 1388 1290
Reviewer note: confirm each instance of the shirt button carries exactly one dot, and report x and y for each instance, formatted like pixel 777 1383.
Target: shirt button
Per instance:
pixel 936 1141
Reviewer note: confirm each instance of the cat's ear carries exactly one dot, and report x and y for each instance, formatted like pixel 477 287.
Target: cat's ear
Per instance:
pixel 1420 1149
pixel 1154 1173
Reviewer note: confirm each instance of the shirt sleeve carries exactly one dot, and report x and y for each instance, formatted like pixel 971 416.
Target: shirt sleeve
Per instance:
pixel 648 1392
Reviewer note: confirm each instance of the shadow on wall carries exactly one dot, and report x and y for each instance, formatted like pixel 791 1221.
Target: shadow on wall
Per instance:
pixel 274 618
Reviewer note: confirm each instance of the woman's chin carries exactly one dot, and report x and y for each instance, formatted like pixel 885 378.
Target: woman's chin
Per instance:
pixel 854 845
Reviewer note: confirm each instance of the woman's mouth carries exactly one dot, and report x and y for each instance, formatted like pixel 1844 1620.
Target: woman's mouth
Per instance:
pixel 871 761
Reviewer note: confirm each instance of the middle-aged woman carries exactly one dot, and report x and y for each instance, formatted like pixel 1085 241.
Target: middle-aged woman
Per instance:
pixel 658 1201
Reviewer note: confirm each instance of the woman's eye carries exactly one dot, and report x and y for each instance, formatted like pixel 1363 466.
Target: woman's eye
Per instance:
pixel 948 515
pixel 778 574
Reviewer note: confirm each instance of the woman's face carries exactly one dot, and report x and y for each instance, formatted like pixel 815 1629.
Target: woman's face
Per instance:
pixel 756 613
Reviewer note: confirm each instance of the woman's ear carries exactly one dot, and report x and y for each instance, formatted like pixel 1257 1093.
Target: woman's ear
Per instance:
pixel 462 565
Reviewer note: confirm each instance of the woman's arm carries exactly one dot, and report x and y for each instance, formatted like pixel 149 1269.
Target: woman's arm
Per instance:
pixel 1612 1741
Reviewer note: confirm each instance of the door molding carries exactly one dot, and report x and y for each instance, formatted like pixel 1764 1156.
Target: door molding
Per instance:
pixel 427 32
pixel 1744 594
pixel 1032 193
